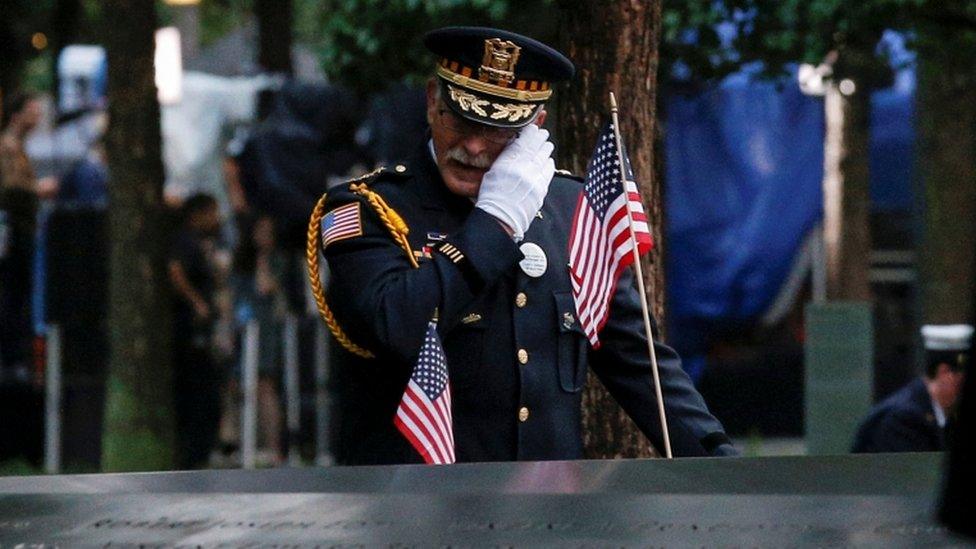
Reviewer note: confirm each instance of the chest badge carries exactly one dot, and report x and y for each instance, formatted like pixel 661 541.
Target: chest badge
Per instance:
pixel 568 321
pixel 535 261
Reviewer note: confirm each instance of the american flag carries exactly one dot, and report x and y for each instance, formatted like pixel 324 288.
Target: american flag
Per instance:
pixel 341 223
pixel 424 415
pixel 600 247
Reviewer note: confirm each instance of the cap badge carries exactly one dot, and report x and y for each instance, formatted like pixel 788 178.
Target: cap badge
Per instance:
pixel 499 61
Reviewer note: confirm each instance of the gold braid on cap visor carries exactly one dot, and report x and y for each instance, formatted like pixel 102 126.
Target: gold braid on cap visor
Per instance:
pixel 513 112
pixel 491 89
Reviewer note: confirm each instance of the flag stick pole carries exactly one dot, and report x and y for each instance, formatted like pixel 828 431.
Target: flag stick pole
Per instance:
pixel 640 284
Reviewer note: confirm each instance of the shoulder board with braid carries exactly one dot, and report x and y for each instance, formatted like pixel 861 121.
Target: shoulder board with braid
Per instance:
pixel 569 174
pixel 395 170
pixel 394 225
pixel 366 177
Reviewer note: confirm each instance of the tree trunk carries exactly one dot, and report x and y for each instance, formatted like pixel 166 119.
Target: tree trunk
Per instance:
pixel 847 198
pixel 139 400
pixel 187 19
pixel 14 48
pixel 947 171
pixel 274 35
pixel 615 48
pixel 65 22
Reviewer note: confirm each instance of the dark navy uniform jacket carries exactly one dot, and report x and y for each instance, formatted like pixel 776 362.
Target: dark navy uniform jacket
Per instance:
pixel 517 355
pixel 903 422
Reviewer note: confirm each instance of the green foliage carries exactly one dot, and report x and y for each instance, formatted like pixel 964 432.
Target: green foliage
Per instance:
pixel 780 32
pixel 777 32
pixel 39 73
pixel 19 20
pixel 219 17
pixel 132 440
pixel 18 468
pixel 367 44
pixel 945 28
pixel 690 37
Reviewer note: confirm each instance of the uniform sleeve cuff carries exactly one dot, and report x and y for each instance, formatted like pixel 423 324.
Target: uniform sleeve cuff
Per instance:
pixel 718 444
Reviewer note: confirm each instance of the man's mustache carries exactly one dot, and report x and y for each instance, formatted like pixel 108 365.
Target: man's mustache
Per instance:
pixel 458 154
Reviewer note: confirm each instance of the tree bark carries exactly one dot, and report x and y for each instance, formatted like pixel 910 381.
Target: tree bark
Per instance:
pixel 274 35
pixel 615 48
pixel 14 47
pixel 947 171
pixel 65 23
pixel 847 185
pixel 138 414
pixel 187 19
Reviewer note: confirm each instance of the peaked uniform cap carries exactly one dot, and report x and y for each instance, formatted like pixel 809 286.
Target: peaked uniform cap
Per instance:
pixel 495 77
pixel 947 337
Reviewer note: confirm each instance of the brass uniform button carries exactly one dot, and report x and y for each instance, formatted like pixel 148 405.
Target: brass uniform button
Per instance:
pixel 521 300
pixel 400 168
pixel 523 414
pixel 523 356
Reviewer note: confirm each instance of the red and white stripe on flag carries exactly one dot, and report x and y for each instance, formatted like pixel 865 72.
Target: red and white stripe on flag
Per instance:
pixel 600 244
pixel 424 414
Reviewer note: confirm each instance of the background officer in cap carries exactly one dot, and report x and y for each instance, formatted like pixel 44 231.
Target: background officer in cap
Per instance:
pixel 489 222
pixel 913 419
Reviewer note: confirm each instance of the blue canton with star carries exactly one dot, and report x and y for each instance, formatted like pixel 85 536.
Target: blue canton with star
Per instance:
pixel 602 185
pixel 431 370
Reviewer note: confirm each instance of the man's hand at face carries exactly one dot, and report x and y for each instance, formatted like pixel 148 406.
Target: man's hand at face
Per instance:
pixel 516 185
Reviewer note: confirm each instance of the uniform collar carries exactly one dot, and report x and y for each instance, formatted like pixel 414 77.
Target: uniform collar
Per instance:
pixel 940 416
pixel 922 397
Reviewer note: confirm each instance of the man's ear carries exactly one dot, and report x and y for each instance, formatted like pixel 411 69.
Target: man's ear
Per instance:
pixel 540 118
pixel 432 94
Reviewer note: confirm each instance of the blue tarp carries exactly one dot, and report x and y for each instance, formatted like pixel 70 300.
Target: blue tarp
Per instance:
pixel 744 168
pixel 891 149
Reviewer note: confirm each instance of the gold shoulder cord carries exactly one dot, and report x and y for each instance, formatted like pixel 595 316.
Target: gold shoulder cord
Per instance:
pixel 394 224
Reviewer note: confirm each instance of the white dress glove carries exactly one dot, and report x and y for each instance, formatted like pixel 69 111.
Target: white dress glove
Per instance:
pixel 515 186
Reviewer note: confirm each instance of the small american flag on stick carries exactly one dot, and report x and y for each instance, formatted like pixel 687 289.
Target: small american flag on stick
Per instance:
pixel 424 415
pixel 600 244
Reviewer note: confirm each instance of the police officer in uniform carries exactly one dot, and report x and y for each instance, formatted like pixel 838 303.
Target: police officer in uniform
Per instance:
pixel 914 418
pixel 488 222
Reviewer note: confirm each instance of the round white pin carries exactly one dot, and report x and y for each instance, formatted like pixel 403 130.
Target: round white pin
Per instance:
pixel 535 261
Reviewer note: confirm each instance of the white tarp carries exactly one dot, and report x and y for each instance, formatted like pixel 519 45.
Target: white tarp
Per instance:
pixel 196 129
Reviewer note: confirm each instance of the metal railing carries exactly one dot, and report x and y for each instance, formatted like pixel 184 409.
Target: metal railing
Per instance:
pixel 250 358
pixel 52 401
pixel 291 393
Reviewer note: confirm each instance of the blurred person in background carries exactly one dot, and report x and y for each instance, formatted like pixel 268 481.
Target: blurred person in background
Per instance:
pixel 192 275
pixel 20 191
pixel 225 350
pixel 916 417
pixel 261 298
pixel 240 224
pixel 85 183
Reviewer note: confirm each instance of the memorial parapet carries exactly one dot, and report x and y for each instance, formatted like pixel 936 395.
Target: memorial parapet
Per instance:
pixel 874 500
